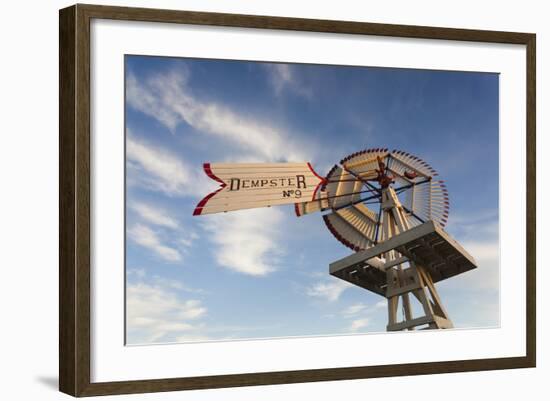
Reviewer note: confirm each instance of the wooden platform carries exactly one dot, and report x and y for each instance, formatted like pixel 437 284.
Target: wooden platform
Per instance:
pixel 427 245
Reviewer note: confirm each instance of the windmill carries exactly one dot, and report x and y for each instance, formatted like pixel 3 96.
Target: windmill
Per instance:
pixel 389 207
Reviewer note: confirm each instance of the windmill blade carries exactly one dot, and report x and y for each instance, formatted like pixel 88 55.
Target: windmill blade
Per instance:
pixel 428 200
pixel 404 161
pixel 354 226
pixel 412 221
pixel 342 188
pixel 365 162
pixel 439 202
pixel 346 191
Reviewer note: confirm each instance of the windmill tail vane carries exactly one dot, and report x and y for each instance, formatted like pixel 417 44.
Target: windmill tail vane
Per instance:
pixel 254 185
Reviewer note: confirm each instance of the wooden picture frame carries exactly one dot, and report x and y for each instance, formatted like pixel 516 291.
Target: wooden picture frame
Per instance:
pixel 75 207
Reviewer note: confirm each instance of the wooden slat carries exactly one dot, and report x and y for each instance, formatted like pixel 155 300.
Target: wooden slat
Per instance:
pixel 344 187
pixel 353 164
pixel 357 219
pixel 250 174
pixel 362 208
pixel 249 205
pixel 257 199
pixel 348 231
pixel 358 186
pixel 244 166
pixel 407 165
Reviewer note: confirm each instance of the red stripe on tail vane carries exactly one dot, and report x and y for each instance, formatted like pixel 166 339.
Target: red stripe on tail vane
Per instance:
pixel 204 201
pixel 321 183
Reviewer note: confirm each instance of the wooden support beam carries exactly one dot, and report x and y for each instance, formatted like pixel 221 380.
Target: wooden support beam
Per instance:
pixel 391 292
pixel 395 262
pixel 419 321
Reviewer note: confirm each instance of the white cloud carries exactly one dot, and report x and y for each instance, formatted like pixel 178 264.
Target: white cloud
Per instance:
pixel 477 231
pixel 329 291
pixel 354 309
pixel 188 239
pixel 182 239
pixel 246 241
pixel 483 251
pixel 158 169
pixel 381 304
pixel 174 284
pixel 149 100
pixel 140 273
pixel 486 276
pixel 167 98
pixel 474 225
pixel 186 242
pixel 358 324
pixel 282 77
pixel 154 215
pixel 156 313
pixel 147 238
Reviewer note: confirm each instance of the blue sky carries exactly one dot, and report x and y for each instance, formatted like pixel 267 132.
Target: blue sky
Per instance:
pixel 264 272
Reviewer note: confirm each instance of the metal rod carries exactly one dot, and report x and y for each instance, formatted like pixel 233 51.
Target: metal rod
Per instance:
pixel 349 194
pixel 378 223
pixel 368 184
pixel 413 214
pixel 356 202
pixel 411 185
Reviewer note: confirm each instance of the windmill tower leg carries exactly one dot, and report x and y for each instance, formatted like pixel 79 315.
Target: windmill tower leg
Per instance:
pixel 415 281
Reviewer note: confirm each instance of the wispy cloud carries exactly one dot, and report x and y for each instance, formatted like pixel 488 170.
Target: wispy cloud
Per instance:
pixel 163 282
pixel 146 237
pixel 187 241
pixel 362 315
pixel 381 304
pixel 328 290
pixel 158 169
pixel 154 215
pixel 136 272
pixel 478 224
pixel 483 251
pixel 155 168
pixel 487 275
pixel 150 98
pixel 283 77
pixel 158 313
pixel 167 98
pixel 478 234
pixel 354 309
pixel 358 324
pixel 246 241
